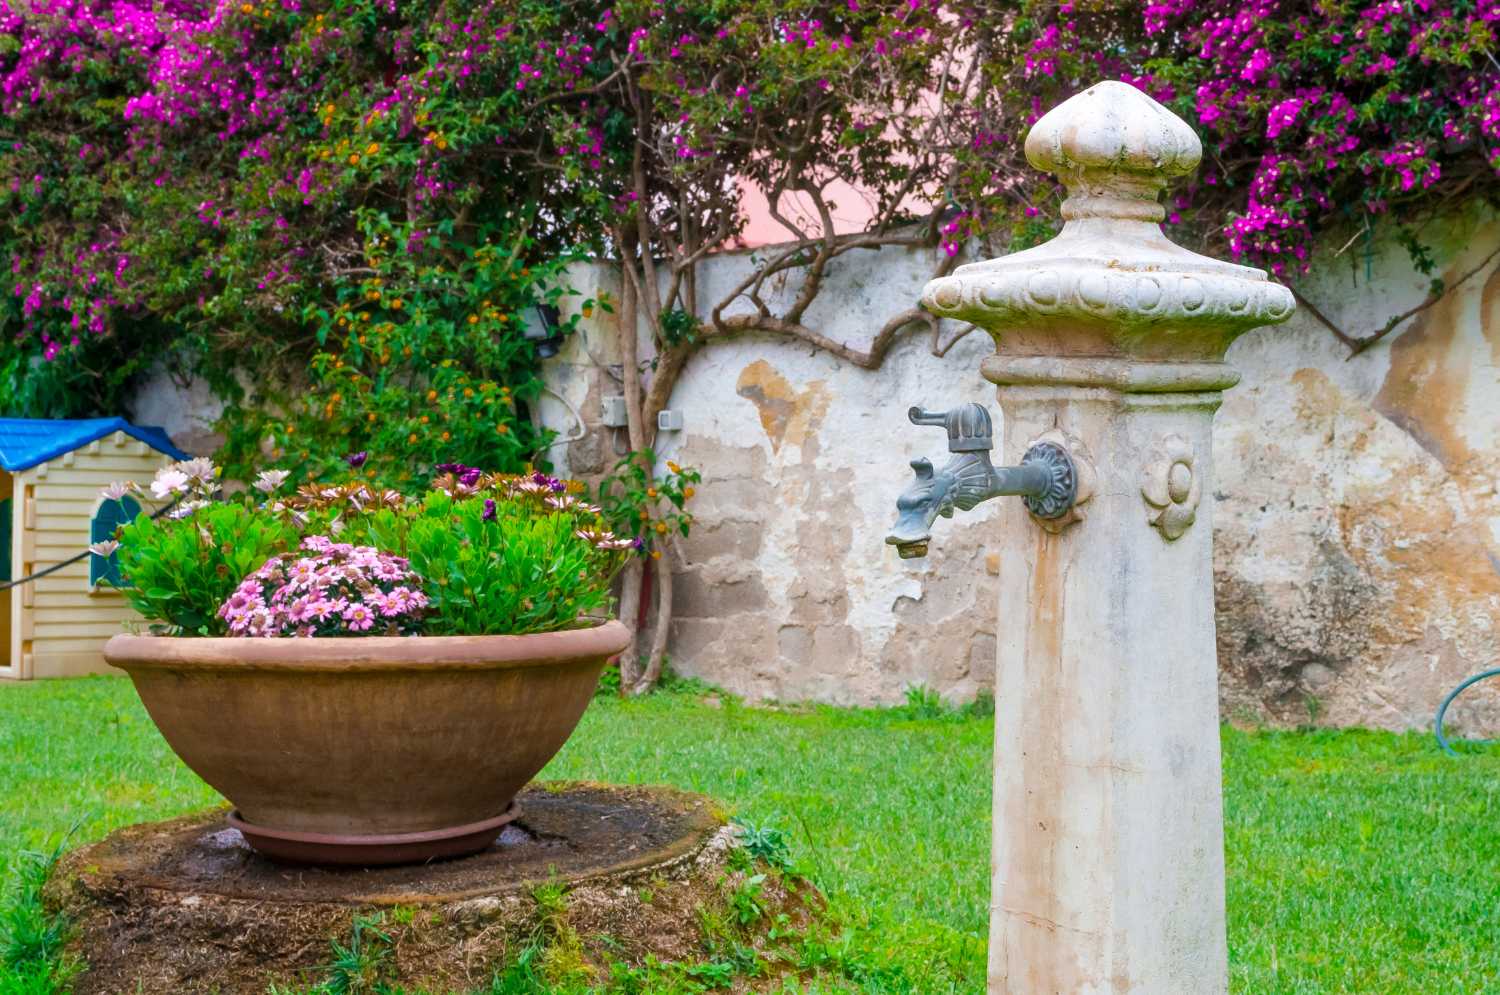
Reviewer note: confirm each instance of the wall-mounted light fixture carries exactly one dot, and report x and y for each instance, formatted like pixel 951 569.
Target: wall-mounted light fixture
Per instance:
pixel 542 328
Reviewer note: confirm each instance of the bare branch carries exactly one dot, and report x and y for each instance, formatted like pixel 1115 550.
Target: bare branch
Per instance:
pixel 868 359
pixel 1359 343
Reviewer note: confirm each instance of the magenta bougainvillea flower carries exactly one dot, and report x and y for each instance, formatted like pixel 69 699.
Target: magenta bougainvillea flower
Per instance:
pixel 340 590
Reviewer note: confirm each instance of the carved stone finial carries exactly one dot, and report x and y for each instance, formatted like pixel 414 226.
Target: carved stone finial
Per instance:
pixel 1111 301
pixel 1115 149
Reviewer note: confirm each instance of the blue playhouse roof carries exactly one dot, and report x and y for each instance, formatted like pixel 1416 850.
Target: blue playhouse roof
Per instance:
pixel 25 442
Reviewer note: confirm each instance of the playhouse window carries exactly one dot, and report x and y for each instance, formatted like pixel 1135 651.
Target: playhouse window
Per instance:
pixel 110 516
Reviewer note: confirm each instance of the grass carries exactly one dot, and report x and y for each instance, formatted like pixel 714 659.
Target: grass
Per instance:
pixel 1358 862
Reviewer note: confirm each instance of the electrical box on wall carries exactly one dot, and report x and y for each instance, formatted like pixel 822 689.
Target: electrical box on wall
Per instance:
pixel 669 421
pixel 612 412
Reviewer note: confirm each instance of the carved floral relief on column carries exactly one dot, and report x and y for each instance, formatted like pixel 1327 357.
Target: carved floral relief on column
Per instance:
pixel 1172 488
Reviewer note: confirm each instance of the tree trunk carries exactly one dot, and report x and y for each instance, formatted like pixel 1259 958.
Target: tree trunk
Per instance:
pixel 663 627
pixel 630 607
pixel 630 592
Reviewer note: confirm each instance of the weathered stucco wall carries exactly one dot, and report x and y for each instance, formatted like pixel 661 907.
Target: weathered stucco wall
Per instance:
pixel 1358 525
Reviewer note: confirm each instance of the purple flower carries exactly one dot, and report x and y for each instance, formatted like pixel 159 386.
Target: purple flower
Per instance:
pixel 551 483
pixel 489 509
pixel 466 475
pixel 356 460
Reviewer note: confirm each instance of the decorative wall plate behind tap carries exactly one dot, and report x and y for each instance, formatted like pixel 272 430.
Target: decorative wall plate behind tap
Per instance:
pixel 1076 463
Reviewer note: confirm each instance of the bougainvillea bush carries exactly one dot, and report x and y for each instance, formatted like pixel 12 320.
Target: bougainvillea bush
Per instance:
pixel 476 554
pixel 224 184
pixel 305 200
pixel 1314 115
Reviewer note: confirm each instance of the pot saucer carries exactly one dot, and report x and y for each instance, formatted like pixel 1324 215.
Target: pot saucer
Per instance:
pixel 373 850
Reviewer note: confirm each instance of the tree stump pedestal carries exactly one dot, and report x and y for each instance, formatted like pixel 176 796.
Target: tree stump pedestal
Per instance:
pixel 185 906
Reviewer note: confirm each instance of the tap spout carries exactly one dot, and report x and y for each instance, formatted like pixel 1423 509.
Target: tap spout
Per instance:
pixel 1045 479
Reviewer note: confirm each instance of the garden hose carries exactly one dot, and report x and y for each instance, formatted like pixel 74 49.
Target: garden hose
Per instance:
pixel 1437 722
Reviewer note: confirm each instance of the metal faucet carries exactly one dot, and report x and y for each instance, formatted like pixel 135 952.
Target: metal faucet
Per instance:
pixel 1046 479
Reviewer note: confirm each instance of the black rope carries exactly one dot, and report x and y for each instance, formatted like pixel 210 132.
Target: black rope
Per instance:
pixel 81 556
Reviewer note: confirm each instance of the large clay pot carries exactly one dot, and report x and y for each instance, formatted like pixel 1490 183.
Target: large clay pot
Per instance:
pixel 370 750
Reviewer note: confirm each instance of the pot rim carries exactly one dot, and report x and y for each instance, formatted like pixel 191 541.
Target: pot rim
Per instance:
pixel 367 653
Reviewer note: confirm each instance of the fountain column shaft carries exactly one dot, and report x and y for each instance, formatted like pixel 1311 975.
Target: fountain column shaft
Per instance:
pixel 1108 867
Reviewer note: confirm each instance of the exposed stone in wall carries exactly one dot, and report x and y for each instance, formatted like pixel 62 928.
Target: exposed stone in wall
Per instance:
pixel 186 409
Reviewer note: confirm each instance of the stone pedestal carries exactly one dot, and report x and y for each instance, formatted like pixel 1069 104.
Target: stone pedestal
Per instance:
pixel 1108 867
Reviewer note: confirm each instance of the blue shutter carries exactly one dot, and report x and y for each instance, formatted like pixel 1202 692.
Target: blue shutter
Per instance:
pixel 110 516
pixel 6 511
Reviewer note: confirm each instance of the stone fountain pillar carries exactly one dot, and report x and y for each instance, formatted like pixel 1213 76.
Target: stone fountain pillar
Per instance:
pixel 1108 864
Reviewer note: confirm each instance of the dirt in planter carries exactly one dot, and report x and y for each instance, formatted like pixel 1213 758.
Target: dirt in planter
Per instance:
pixel 185 907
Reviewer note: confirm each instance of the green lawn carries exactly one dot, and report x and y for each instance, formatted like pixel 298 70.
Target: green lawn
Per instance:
pixel 1358 862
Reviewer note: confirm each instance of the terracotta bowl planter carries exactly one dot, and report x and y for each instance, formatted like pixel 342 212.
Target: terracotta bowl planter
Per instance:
pixel 368 751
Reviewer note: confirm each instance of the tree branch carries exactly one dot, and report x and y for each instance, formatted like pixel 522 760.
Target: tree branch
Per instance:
pixel 1359 343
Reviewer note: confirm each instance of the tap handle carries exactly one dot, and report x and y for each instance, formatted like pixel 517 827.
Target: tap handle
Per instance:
pixel 968 425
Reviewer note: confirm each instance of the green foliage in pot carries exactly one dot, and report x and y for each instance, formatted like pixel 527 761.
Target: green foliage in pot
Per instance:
pixel 182 562
pixel 494 562
pixel 496 554
pixel 181 571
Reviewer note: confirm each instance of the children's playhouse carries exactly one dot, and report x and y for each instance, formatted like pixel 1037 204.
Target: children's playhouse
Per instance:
pixel 51 473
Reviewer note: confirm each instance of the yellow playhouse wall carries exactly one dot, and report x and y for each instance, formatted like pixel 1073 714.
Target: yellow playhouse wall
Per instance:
pixel 60 624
